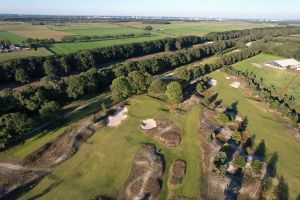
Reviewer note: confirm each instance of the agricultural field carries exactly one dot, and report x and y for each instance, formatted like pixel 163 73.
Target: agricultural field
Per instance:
pixel 265 125
pixel 61 48
pixel 284 81
pixel 11 37
pixel 196 28
pixel 25 53
pixel 92 171
pixel 25 30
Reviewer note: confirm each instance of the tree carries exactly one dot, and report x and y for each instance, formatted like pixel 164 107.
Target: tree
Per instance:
pixel 283 189
pixel 139 82
pixel 50 111
pixel 236 136
pixel 174 92
pixel 182 73
pixel 75 87
pixel 12 125
pixel 256 166
pixel 157 87
pixel 120 89
pixel 222 120
pixel 148 28
pixel 244 124
pixel 21 75
pixel 240 162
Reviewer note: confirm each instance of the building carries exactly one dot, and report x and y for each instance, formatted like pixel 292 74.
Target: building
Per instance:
pixel 283 64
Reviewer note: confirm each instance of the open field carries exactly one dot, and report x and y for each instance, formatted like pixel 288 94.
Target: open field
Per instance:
pixel 26 30
pixel 61 48
pixel 11 37
pixel 197 28
pixel 97 29
pixel 102 164
pixel 271 76
pixel 25 53
pixel 265 125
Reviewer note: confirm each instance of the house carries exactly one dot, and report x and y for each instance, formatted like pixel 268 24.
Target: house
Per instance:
pixel 284 64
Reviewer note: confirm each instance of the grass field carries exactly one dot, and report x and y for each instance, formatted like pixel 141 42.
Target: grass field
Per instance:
pixel 197 28
pixel 102 164
pixel 11 37
pixel 61 48
pixel 26 30
pixel 267 126
pixel 26 53
pixel 279 78
pixel 98 29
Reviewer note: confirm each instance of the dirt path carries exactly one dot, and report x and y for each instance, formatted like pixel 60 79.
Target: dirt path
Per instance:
pixel 22 168
pixel 289 84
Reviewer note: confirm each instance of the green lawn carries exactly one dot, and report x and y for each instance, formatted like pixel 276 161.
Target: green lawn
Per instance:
pixel 265 125
pixel 26 53
pixel 102 164
pixel 279 78
pixel 11 37
pixel 61 48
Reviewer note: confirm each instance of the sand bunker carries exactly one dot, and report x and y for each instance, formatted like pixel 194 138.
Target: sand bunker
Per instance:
pixel 148 124
pixel 212 82
pixel 227 77
pixel 235 84
pixel 116 119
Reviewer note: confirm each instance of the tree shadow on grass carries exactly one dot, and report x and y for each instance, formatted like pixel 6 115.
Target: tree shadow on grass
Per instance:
pixel 45 191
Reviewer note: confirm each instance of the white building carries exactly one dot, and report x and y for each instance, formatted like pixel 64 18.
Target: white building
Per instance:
pixel 283 64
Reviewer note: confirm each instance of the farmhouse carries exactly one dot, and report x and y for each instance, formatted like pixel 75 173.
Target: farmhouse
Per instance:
pixel 283 64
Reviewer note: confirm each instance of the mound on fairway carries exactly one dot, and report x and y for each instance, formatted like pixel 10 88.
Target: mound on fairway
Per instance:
pixel 166 133
pixel 146 174
pixel 177 172
pixel 116 119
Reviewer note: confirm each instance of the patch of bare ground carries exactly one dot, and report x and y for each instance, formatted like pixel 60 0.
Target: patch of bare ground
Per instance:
pixel 166 133
pixel 251 186
pixel 17 174
pixel 144 181
pixel 177 173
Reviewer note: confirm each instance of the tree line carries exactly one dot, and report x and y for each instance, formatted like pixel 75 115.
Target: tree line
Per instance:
pixel 86 38
pixel 285 104
pixel 25 70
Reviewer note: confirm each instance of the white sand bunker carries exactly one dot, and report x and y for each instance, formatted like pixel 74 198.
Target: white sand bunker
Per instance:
pixel 235 84
pixel 227 77
pixel 212 82
pixel 148 124
pixel 116 119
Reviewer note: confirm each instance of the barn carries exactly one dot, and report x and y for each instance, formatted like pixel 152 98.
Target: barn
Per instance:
pixel 283 64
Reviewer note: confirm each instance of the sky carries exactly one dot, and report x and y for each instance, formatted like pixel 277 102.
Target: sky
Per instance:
pixel 254 9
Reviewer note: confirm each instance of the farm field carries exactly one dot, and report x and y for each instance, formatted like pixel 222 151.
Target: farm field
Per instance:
pixel 26 53
pixel 92 171
pixel 98 29
pixel 280 79
pixel 11 37
pixel 197 28
pixel 265 125
pixel 60 48
pixel 26 30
